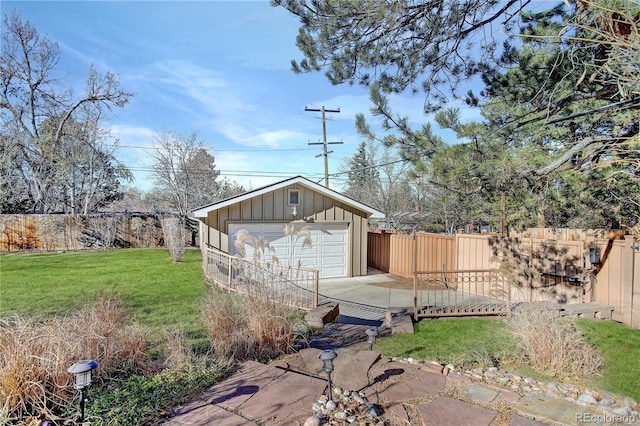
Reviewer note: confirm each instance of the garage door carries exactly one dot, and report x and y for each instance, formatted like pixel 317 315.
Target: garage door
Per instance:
pixel 327 254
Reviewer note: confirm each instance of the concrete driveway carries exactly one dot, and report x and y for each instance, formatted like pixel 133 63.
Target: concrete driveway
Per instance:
pixel 364 298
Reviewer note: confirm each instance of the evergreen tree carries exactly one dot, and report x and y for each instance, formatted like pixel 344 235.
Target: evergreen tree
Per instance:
pixel 363 176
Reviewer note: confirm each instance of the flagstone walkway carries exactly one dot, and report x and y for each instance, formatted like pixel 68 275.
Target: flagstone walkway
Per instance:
pixel 283 392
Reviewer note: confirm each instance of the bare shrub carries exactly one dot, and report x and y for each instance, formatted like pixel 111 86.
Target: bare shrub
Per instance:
pixel 50 229
pixel 99 231
pixel 250 327
pixel 177 354
pixel 36 353
pixel 173 237
pixel 551 344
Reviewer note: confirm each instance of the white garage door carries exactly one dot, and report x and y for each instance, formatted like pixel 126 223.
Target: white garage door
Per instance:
pixel 327 254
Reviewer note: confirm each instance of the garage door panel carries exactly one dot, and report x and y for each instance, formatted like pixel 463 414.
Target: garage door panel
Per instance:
pixel 332 250
pixel 333 238
pixel 333 272
pixel 333 261
pixel 328 251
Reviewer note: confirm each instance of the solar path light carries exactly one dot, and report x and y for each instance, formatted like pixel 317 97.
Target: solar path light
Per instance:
pixel 327 356
pixel 372 333
pixel 81 371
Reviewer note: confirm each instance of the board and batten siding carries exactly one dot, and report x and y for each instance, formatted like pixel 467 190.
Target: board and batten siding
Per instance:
pixel 272 207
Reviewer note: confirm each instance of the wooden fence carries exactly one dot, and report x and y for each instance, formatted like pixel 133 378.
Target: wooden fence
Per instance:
pixel 69 232
pixel 540 269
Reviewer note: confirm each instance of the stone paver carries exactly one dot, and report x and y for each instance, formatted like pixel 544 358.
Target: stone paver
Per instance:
pixel 208 415
pixel 557 411
pixel 420 386
pixel 400 414
pixel 446 411
pixel 481 394
pixel 352 372
pixel 523 421
pixel 282 402
pixel 248 381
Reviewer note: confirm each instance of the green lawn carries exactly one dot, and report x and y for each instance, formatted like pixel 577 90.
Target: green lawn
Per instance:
pixel 457 341
pixel 473 340
pixel 157 292
pixel 620 346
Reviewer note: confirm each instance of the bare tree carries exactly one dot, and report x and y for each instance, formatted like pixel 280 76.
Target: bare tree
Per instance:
pixel 184 171
pixel 40 115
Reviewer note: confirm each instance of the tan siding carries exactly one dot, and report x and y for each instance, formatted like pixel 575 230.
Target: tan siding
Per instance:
pixel 233 212
pixel 355 244
pixel 318 202
pixel 223 218
pixel 257 208
pixel 267 207
pixel 245 210
pixel 308 203
pixel 279 202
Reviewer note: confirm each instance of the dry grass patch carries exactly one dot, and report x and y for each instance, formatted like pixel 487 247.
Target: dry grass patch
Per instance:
pixel 36 353
pixel 552 345
pixel 250 327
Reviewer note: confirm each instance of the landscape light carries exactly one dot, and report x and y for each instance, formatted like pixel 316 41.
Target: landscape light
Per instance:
pixel 372 333
pixel 327 356
pixel 81 371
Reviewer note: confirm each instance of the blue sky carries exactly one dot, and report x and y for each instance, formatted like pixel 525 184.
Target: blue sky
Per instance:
pixel 219 68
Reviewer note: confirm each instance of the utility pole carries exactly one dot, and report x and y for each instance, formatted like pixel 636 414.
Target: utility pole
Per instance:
pixel 324 142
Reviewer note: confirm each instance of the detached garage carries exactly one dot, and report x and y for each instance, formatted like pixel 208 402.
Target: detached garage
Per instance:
pixel 337 225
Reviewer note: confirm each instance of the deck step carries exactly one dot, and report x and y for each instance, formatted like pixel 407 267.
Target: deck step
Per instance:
pixel 400 320
pixel 588 310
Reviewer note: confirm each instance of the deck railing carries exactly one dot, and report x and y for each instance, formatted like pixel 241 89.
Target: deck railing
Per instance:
pixel 461 293
pixel 285 284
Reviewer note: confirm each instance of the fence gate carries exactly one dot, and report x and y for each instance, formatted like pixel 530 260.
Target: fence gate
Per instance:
pixel 461 293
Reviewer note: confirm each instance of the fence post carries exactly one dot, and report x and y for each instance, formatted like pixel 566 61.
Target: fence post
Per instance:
pixel 415 276
pixel 316 288
pixel 508 282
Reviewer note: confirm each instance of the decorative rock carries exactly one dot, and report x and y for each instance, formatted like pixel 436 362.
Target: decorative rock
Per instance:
pixel 630 402
pixel 621 411
pixel 330 405
pixel 340 415
pixel 312 421
pixel 585 398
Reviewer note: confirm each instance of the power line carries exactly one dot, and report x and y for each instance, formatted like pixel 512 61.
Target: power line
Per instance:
pixel 324 142
pixel 213 150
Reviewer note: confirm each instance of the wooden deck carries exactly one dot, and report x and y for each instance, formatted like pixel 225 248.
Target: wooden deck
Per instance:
pixel 462 310
pixel 461 293
pixel 582 310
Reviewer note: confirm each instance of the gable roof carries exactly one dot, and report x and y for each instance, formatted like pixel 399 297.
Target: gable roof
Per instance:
pixel 204 211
